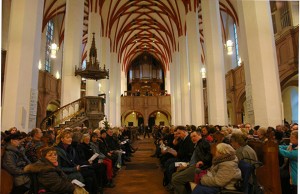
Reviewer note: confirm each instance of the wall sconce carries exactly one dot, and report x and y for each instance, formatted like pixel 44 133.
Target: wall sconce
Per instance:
pixel 53 49
pixel 229 47
pixel 203 72
pixel 40 65
pixel 57 75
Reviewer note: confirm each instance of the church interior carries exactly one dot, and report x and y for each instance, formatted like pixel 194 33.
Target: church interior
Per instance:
pixel 150 64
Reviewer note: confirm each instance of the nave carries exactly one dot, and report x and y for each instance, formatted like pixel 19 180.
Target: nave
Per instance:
pixel 142 175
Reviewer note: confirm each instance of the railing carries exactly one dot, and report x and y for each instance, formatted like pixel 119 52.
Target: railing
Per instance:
pixel 64 113
pixel 146 93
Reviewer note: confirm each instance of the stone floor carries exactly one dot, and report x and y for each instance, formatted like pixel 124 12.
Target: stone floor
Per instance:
pixel 143 175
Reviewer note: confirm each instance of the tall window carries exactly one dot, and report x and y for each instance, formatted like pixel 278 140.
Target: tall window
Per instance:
pixel 49 38
pixel 236 45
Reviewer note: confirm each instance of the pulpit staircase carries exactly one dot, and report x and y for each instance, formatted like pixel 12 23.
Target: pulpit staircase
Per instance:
pixel 88 110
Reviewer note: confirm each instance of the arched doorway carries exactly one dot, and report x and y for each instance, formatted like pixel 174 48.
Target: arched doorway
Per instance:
pixel 132 118
pixel 159 118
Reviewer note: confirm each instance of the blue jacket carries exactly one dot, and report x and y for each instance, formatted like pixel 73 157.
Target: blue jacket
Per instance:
pixel 293 157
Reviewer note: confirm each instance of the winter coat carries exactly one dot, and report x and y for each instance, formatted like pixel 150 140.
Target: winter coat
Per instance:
pixel 293 158
pixel 67 161
pixel 223 173
pixel 50 178
pixel 14 162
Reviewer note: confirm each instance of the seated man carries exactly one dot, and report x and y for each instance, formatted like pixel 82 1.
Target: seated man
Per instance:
pixel 184 153
pixel 201 158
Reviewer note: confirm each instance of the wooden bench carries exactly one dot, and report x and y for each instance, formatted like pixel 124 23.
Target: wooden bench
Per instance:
pixel 268 175
pixel 6 179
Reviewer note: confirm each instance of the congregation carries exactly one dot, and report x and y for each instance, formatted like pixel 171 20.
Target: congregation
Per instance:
pixel 197 160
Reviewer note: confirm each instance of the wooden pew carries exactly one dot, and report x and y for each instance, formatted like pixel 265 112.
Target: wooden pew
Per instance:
pixel 268 175
pixel 6 179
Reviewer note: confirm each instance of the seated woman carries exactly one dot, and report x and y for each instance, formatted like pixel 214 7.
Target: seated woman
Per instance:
pixel 223 173
pixel 50 178
pixel 68 163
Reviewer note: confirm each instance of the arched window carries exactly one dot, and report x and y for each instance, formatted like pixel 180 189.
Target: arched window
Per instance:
pixel 49 38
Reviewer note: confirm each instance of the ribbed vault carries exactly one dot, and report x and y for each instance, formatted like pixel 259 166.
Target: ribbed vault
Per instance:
pixel 137 26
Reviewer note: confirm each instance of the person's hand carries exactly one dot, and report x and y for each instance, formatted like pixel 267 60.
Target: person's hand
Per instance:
pixel 109 154
pixel 78 168
pixel 199 164
pixel 90 161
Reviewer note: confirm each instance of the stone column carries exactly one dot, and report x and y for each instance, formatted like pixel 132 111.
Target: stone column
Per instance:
pixel 105 83
pixel 195 64
pixel 118 70
pixel 216 89
pixel 72 51
pixel 178 94
pixel 263 93
pixel 20 91
pixel 94 26
pixel 173 88
pixel 184 82
pixel 113 70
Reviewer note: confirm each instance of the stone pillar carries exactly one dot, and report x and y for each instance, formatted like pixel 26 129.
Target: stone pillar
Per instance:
pixel 184 82
pixel 105 83
pixel 113 70
pixel 263 93
pixel 167 81
pixel 20 91
pixel 215 73
pixel 94 26
pixel 178 94
pixel 118 70
pixel 195 64
pixel 173 88
pixel 72 51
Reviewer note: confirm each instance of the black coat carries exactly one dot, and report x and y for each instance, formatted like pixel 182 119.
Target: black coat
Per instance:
pixel 186 149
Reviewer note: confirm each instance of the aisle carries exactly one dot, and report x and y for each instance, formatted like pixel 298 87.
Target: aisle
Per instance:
pixel 141 176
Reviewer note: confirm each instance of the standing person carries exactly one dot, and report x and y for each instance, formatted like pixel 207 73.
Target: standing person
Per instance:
pixel 14 161
pixel 291 152
pixel 50 178
pixel 146 131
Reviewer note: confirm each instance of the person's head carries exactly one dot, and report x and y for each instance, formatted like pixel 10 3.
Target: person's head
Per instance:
pixel 294 137
pixel 66 137
pixel 294 126
pixel 261 132
pixel 196 136
pixel 36 134
pixel 204 131
pixel 182 132
pixel 49 153
pixel 224 149
pixel 14 139
pixel 103 133
pixel 237 140
pixel 110 132
pixel 97 131
pixel 94 137
pixel 86 138
pixel 13 130
pixel 247 127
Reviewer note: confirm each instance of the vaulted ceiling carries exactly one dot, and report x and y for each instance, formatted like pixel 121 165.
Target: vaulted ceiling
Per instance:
pixel 137 26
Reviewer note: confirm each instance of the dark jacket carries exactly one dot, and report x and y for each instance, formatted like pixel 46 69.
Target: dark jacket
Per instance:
pixel 50 178
pixel 113 144
pixel 202 153
pixel 14 162
pixel 67 158
pixel 185 150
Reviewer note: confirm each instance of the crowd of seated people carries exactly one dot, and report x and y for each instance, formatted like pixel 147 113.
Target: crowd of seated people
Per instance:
pixel 64 161
pixel 209 155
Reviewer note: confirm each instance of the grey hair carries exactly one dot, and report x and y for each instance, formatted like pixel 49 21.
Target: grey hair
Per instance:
pixel 224 148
